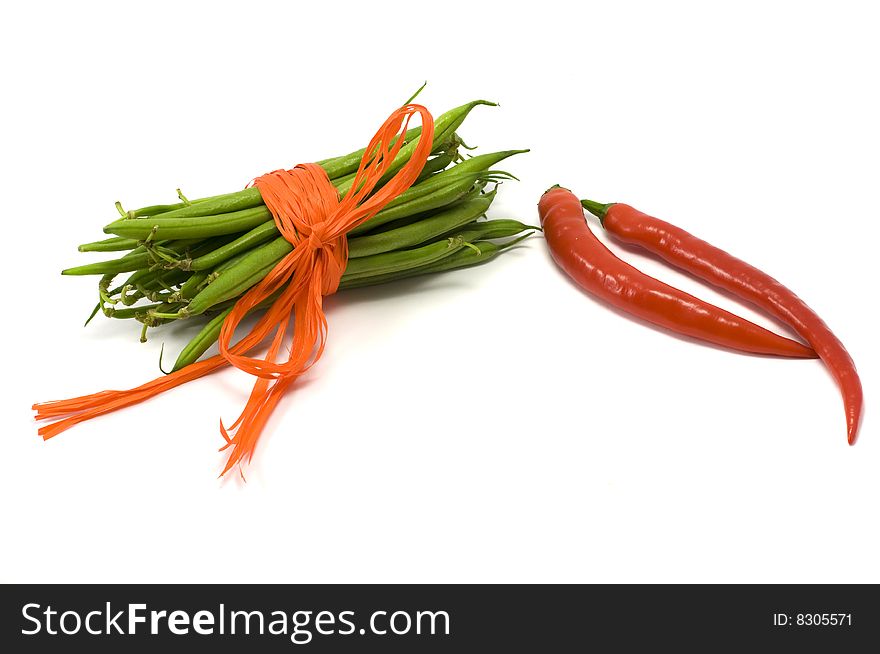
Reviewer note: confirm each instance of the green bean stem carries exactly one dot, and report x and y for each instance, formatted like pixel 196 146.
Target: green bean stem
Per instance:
pixel 191 227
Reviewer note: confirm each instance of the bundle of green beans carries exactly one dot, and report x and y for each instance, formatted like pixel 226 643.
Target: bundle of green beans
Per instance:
pixel 195 259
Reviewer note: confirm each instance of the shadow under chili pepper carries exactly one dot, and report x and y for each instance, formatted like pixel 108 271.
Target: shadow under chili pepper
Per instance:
pixel 652 326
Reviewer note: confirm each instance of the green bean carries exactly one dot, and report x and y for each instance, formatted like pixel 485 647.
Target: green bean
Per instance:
pixel 437 191
pixel 239 277
pixel 446 154
pixel 205 277
pixel 442 197
pixel 226 265
pixel 390 262
pixel 422 230
pixel 344 168
pixel 140 257
pixel 216 204
pixel 442 131
pixel 258 235
pixel 200 343
pixel 225 203
pixel 444 127
pixel 436 164
pixel 474 166
pixel 209 334
pixel 486 251
pixel 156 209
pixel 481 162
pixel 199 227
pixel 476 191
pixel 124 264
pixel 191 286
pixel 112 244
pixel 487 229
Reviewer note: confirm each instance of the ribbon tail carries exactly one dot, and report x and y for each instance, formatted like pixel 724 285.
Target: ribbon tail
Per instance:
pixel 75 410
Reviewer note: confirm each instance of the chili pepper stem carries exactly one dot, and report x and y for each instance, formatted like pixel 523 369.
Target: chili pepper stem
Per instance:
pixel 597 208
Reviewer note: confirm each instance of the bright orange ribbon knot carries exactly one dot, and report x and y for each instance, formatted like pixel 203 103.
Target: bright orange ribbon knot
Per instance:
pixel 310 215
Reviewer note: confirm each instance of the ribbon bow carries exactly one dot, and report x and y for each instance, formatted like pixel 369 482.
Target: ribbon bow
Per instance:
pixel 310 215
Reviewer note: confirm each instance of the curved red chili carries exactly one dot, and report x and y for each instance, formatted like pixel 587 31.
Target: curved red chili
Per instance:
pixel 725 271
pixel 597 270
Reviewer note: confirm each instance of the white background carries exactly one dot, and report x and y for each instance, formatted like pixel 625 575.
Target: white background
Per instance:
pixel 488 425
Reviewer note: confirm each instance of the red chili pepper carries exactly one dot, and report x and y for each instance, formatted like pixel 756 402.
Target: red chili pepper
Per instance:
pixel 717 267
pixel 597 270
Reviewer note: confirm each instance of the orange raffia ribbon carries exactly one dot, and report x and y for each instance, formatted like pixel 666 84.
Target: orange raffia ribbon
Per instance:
pixel 309 213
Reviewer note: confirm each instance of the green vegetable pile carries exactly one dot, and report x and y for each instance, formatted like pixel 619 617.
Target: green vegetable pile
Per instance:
pixel 192 260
